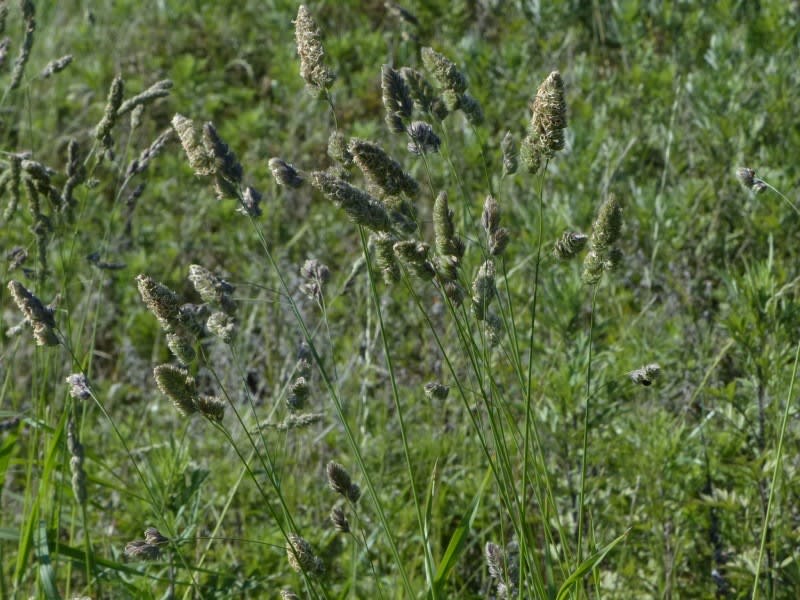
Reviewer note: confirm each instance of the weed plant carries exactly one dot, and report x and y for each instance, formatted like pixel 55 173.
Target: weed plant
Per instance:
pixel 473 307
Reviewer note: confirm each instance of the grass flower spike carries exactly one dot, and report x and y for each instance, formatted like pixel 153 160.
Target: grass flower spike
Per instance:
pixel 317 76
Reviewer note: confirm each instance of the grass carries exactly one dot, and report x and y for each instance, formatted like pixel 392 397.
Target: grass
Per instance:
pixel 552 468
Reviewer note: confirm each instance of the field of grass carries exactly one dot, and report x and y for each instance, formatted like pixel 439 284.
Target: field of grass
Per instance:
pixel 470 299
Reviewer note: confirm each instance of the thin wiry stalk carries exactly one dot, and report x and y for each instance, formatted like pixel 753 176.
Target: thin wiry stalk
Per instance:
pixel 429 562
pixel 775 471
pixel 581 496
pixel 339 412
pixel 500 467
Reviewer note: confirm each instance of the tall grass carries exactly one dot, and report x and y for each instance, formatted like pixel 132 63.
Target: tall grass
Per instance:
pixel 433 319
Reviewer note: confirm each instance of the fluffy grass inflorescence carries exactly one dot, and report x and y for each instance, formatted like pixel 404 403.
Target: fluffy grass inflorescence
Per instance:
pixel 446 349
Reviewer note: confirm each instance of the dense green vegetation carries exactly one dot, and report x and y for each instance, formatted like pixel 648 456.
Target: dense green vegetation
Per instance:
pixel 555 466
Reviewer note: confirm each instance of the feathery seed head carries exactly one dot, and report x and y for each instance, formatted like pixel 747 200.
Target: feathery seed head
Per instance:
pixel 509 149
pixel 284 173
pixel 362 208
pixel 446 267
pixel 444 70
pixel 338 478
pixel 420 90
pixel 226 164
pixel 498 241
pixel 549 119
pixel 385 258
pixel 56 66
pixel 113 103
pixel 222 325
pixel 395 93
pixel 608 224
pixel 381 170
pixel 454 291
pixel 210 407
pixel 177 385
pixel 298 394
pixel 471 108
pixel 414 254
pixel 483 289
pixel 748 178
pixel 337 149
pixel 212 289
pixel 250 202
pixel 339 520
pixel 530 154
pixel 79 386
pixel 317 76
pixel 301 556
pixel 423 138
pixel 436 391
pixel 443 228
pixel 159 89
pixel 569 245
pixel 181 344
pixel 490 218
pixel 39 316
pixel 646 374
pixel 192 141
pixel 161 301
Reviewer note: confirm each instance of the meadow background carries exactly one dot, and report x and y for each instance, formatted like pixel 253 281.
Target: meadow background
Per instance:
pixel 665 100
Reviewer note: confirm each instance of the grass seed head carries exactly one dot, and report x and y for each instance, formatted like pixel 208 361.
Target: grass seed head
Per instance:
pixel 212 289
pixel 608 225
pixel 472 109
pixel 337 149
pixel 549 118
pixel 177 385
pixel 226 165
pixel 317 76
pixel 338 478
pixel 423 138
pixel 339 520
pixel 483 289
pixel 192 141
pixel 161 301
pixel 414 254
pixel 301 555
pixel 222 325
pixel 509 148
pixel 362 208
pixel 436 391
pixel 444 71
pixel 748 178
pixel 396 95
pixel 498 241
pixel 381 170
pixel 646 374
pixel 103 129
pixel 56 66
pixel 79 386
pixel 569 245
pixel 419 89
pixel 141 550
pixel 210 407
pixel 284 173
